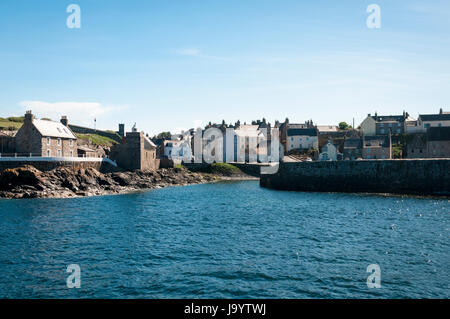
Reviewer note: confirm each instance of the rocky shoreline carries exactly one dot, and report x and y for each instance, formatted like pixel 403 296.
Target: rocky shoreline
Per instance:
pixel 64 182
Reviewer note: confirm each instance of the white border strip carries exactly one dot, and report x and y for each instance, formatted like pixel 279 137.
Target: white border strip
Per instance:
pixel 58 159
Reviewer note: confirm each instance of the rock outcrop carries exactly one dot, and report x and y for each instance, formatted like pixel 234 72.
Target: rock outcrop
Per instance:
pixel 62 182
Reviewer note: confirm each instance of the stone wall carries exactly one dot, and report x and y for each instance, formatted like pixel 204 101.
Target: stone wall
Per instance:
pixel 45 165
pixel 423 177
pixel 133 154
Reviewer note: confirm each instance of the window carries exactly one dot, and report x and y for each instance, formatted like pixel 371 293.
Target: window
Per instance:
pixel 399 131
pixel 71 153
pixel 427 125
pixel 390 124
pixel 59 153
pixel 70 142
pixel 48 140
pixel 382 125
pixel 48 153
pixel 59 142
pixel 382 131
pixel 440 124
pixel 292 139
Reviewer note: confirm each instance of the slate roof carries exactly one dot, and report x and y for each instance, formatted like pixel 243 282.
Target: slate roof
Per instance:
pixel 301 131
pixel 53 129
pixel 435 117
pixel 389 118
pixel 438 134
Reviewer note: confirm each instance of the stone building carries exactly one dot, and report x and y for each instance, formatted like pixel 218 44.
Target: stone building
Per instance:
pixel 137 151
pixel 377 147
pixel 368 147
pixel 434 144
pixel 434 120
pixel 45 138
pixel 417 146
pixel 7 142
pixel 383 124
pixel 353 148
pixel 438 142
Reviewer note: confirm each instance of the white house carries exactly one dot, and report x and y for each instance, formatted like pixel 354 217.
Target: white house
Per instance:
pixel 301 138
pixel 329 152
pixel 434 120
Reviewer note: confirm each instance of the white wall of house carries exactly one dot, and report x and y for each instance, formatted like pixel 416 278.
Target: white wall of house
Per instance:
pixel 368 127
pixel 426 124
pixel 301 142
pixel 329 153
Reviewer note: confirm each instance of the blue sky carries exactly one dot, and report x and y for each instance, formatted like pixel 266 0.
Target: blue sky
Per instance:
pixel 168 65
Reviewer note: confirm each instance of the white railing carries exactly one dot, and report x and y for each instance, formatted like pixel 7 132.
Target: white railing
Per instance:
pixel 17 158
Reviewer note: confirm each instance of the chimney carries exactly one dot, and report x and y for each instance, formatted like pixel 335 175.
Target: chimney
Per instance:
pixel 64 120
pixel 29 116
pixel 122 130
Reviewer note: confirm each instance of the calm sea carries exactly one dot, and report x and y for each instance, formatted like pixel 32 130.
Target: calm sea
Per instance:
pixel 225 240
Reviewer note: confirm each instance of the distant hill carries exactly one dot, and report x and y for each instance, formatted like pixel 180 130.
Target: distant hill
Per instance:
pixel 11 123
pixel 96 139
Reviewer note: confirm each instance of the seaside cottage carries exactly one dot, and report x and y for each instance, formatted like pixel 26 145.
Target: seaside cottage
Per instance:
pixel 383 124
pixel 298 137
pixel 434 120
pixel 45 138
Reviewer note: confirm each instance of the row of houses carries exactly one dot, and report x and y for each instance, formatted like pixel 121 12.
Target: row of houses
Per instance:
pixel 45 138
pixel 377 137
pixel 426 137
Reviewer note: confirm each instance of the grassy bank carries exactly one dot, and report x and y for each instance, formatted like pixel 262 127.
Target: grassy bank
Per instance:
pixel 97 139
pixel 11 123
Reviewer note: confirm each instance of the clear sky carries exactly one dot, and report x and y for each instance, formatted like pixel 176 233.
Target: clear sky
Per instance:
pixel 177 64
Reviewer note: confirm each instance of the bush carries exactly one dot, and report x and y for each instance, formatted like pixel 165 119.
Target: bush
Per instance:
pixel 224 169
pixel 17 119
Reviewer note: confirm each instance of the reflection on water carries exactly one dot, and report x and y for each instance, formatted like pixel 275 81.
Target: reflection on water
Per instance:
pixel 230 239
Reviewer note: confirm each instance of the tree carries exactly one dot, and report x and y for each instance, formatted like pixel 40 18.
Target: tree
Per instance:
pixel 165 135
pixel 344 126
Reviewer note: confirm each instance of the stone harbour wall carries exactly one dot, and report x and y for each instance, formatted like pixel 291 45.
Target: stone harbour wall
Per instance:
pixel 416 177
